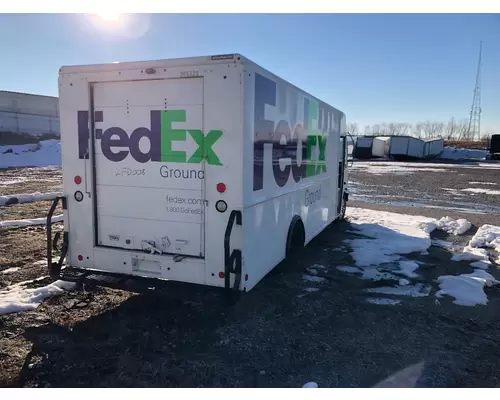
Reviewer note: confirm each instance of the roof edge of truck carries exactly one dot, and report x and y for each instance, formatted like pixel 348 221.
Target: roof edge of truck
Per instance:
pixel 236 58
pixel 167 62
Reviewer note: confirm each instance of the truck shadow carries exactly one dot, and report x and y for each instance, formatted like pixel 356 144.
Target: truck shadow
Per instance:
pixel 156 340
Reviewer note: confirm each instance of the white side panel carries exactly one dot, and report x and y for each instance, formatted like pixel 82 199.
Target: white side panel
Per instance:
pixel 380 147
pixel 415 147
pixel 276 188
pixel 399 145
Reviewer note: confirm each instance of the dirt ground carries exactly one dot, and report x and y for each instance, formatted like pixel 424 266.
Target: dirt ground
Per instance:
pixel 280 334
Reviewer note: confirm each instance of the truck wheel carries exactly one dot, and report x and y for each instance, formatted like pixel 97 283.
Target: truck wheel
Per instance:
pixel 296 236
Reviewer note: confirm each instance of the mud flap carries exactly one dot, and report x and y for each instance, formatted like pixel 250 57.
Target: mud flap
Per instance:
pixel 55 267
pixel 232 260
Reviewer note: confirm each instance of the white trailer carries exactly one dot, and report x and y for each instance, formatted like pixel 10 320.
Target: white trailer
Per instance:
pixel 363 148
pixel 433 147
pixel 380 146
pixel 207 170
pixel 406 147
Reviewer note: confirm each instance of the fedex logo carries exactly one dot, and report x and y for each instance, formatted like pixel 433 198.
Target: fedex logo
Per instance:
pixel 299 137
pixel 116 144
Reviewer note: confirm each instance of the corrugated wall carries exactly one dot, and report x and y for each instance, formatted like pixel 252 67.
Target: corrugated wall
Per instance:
pixel 28 113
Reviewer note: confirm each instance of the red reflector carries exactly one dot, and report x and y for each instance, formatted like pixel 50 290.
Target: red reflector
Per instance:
pixel 221 187
pixel 221 275
pixel 246 277
pixel 80 258
pixel 78 179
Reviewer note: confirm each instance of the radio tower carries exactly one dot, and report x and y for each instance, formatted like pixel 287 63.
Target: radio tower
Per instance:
pixel 474 129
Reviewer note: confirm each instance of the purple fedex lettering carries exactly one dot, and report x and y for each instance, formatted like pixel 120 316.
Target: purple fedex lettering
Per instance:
pixel 114 138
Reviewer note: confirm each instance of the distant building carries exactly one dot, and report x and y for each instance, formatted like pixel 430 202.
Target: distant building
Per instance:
pixel 28 114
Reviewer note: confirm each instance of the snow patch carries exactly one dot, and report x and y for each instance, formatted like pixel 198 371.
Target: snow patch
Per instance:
pixel 408 268
pixel 383 301
pixel 17 298
pixel 11 183
pixel 447 224
pixel 452 153
pixel 351 270
pixel 480 190
pixel 30 222
pixel 417 290
pixel 10 270
pixel 471 254
pixel 28 198
pixel 483 264
pixel 482 183
pixel 467 289
pixel 487 236
pixel 310 278
pixel 390 235
pixel 45 153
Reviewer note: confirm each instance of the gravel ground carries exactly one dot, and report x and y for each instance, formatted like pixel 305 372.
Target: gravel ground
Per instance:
pixel 432 189
pixel 283 333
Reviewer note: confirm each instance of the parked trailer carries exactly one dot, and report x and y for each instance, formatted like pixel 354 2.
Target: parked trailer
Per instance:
pixel 494 153
pixel 433 147
pixel 206 170
pixel 380 146
pixel 363 148
pixel 406 147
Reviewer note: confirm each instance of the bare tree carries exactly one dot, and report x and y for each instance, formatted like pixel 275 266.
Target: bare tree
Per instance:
pixel 399 128
pixel 417 131
pixel 368 130
pixel 353 128
pixel 451 129
pixel 432 129
pixel 376 129
pixel 462 130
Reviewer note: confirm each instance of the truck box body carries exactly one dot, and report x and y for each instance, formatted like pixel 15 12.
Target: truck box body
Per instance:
pixel 363 148
pixel 433 147
pixel 158 147
pixel 406 147
pixel 380 146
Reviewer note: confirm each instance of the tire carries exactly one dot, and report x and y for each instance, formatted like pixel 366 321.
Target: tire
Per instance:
pixel 296 236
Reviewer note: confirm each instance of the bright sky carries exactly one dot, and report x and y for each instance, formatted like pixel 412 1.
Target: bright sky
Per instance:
pixel 375 68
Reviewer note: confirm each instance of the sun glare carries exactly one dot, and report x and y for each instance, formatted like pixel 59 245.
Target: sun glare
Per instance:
pixel 109 16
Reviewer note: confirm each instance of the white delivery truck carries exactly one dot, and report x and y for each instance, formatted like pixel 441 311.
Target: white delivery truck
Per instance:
pixel 206 170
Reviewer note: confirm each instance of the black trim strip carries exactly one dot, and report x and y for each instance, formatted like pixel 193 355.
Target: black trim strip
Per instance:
pixel 94 168
pixel 232 260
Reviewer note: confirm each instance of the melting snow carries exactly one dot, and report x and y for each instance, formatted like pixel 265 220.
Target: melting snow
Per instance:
pixel 483 264
pixel 47 152
pixel 417 290
pixel 18 298
pixel 447 224
pixel 9 270
pixel 310 278
pixel 383 301
pixel 390 235
pixel 482 183
pixel 467 289
pixel 452 153
pixel 487 236
pixel 12 183
pixel 408 268
pixel 480 190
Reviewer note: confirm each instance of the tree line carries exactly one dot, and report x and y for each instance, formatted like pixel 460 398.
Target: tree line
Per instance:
pixel 453 130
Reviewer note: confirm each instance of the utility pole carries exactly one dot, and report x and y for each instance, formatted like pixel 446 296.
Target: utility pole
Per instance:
pixel 474 129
